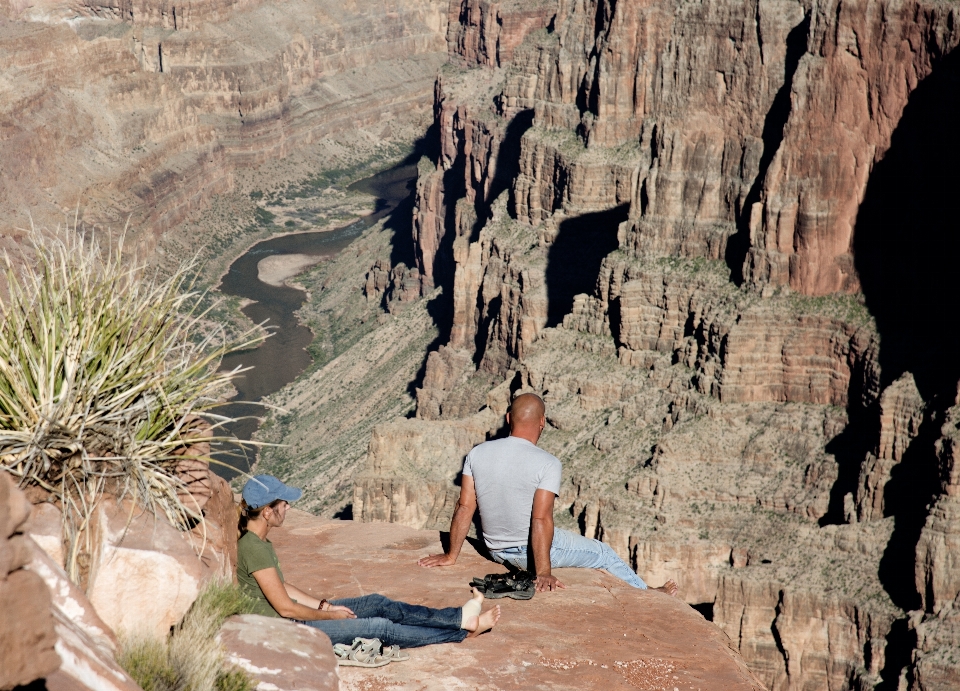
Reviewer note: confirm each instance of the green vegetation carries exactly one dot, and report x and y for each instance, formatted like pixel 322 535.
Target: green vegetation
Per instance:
pixel 190 659
pixel 105 375
pixel 847 308
pixel 263 217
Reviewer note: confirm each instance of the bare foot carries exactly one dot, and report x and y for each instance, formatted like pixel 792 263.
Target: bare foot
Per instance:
pixel 471 611
pixel 670 588
pixel 485 621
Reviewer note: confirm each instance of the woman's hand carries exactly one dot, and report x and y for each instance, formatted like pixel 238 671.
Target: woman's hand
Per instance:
pixel 339 612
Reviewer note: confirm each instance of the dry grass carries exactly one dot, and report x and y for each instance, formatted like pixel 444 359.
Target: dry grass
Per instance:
pixel 191 659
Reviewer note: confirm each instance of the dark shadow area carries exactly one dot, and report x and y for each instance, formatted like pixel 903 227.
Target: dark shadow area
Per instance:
pixel 849 448
pixel 574 258
pixel 906 252
pixel 38 685
pixel 395 190
pixel 613 316
pixel 508 166
pixel 772 136
pixel 477 543
pixel 907 237
pixel 345 514
pixel 897 652
pixel 913 484
pixel 706 609
pixel 440 310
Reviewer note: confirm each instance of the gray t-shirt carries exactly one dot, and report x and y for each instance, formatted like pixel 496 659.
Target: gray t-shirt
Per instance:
pixel 507 473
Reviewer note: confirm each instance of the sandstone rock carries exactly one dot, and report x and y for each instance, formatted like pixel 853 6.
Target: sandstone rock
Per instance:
pixel 487 33
pixel 50 630
pixel 623 638
pixel 27 634
pixel 410 469
pixel 71 606
pixel 86 663
pixel 934 661
pixel 280 654
pixel 682 407
pixel 937 573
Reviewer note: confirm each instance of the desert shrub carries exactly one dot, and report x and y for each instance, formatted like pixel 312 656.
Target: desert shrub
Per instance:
pixel 148 663
pixel 190 659
pixel 105 371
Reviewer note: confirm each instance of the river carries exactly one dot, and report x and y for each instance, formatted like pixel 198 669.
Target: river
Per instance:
pixel 283 356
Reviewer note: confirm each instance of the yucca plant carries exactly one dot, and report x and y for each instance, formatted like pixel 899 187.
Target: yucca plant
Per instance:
pixel 105 369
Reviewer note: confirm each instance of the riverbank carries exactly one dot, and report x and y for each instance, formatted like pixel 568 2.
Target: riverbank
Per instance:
pixel 262 274
pixel 275 270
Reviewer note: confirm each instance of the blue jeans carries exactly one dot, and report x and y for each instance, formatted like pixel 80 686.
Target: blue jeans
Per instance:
pixel 394 623
pixel 577 551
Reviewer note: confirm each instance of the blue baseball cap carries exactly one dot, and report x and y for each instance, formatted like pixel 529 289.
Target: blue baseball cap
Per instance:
pixel 260 490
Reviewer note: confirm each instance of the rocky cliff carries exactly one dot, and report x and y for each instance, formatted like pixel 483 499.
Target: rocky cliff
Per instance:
pixel 144 112
pixel 684 225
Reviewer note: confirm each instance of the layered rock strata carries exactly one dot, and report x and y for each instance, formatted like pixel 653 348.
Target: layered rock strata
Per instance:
pixel 646 213
pixel 142 112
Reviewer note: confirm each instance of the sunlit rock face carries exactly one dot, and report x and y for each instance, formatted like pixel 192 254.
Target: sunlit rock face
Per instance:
pixel 146 110
pixel 680 223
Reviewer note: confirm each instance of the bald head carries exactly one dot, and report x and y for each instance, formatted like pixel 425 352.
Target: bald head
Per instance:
pixel 526 415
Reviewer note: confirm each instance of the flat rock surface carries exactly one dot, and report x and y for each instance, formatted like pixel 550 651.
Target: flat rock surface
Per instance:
pixel 596 634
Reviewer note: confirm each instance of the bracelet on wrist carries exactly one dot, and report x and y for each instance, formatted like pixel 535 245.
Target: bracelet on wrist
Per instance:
pixel 323 602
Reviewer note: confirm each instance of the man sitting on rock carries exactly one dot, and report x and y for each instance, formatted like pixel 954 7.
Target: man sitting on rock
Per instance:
pixel 514 483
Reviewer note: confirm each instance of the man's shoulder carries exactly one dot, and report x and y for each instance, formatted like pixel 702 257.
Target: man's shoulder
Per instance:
pixel 511 446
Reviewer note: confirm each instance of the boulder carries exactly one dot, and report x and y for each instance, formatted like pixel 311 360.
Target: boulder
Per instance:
pixel 281 654
pixel 145 573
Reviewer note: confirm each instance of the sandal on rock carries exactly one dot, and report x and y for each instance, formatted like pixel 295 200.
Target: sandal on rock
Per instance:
pixel 519 585
pixel 357 655
pixel 394 654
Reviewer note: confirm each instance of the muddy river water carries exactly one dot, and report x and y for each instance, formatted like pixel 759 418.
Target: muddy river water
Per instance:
pixel 283 356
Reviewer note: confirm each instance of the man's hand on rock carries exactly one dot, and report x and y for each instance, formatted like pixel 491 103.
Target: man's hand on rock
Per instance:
pixel 546 583
pixel 437 560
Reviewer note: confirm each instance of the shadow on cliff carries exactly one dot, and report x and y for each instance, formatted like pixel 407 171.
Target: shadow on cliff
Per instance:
pixel 508 167
pixel 772 136
pixel 573 262
pixel 907 250
pixel 907 238
pixel 400 220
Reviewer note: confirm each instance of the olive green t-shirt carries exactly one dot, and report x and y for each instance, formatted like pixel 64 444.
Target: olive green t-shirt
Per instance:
pixel 254 554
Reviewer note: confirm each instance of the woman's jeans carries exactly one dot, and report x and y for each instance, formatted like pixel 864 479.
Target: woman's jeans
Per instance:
pixel 578 551
pixel 394 623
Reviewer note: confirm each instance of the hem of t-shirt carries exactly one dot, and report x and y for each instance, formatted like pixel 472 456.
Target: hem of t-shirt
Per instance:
pixel 500 549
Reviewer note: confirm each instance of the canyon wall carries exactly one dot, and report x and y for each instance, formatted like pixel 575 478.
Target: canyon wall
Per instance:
pixel 678 222
pixel 142 112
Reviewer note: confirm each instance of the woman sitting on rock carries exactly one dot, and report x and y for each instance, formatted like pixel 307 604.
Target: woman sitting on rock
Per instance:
pixel 264 506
